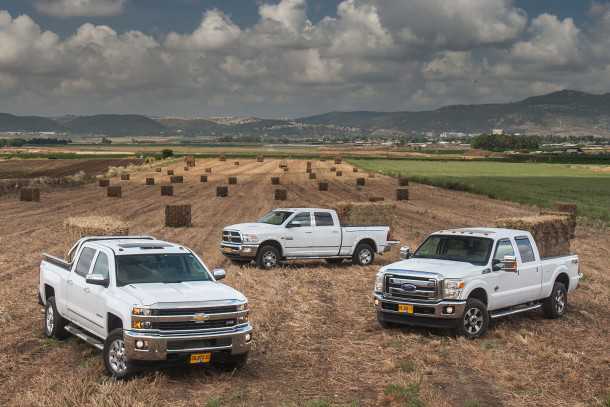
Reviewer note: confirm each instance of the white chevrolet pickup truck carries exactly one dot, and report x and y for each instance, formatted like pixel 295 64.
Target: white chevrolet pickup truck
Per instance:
pixel 462 278
pixel 303 233
pixel 140 300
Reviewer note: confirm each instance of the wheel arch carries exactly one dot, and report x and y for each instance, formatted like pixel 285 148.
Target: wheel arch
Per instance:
pixel 49 292
pixel 113 321
pixel 480 294
pixel 271 242
pixel 564 279
pixel 367 240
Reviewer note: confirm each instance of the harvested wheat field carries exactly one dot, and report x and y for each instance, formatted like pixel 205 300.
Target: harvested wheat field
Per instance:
pixel 316 339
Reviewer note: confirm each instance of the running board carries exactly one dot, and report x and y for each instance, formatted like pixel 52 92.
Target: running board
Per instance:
pixel 316 257
pixel 512 311
pixel 84 336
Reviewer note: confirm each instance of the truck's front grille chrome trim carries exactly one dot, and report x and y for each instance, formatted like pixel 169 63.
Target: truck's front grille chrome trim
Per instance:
pixel 231 236
pixel 416 286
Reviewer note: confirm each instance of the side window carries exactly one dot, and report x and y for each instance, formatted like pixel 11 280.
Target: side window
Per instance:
pixel 84 261
pixel 324 219
pixel 525 249
pixel 101 265
pixel 504 248
pixel 303 218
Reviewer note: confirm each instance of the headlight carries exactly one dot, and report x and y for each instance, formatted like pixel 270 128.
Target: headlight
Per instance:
pixel 249 238
pixel 140 311
pixel 135 324
pixel 379 283
pixel 242 307
pixel 452 289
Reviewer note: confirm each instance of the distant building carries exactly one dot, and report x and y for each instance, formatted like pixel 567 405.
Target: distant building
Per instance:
pixel 497 132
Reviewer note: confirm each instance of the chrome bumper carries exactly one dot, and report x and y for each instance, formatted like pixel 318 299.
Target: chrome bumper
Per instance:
pixel 389 244
pixel 438 310
pixel 239 251
pixel 236 341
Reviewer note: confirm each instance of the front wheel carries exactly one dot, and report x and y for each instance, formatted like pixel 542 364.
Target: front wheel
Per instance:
pixel 555 305
pixel 475 321
pixel 115 356
pixel 363 255
pixel 268 257
pixel 54 324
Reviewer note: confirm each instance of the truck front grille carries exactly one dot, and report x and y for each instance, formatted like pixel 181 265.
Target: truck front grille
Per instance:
pixel 229 236
pixel 197 344
pixel 414 288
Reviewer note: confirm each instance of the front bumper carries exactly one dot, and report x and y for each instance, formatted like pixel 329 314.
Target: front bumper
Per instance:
pixel 389 244
pixel 424 314
pixel 239 251
pixel 159 345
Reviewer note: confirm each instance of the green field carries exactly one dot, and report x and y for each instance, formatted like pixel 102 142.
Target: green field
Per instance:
pixel 528 183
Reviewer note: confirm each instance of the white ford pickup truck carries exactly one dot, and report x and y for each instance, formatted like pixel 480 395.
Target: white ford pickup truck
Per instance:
pixel 303 233
pixel 462 278
pixel 140 300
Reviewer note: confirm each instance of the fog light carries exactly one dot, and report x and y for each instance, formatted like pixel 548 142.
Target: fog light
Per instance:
pixel 139 344
pixel 449 310
pixel 376 301
pixel 247 250
pixel 248 337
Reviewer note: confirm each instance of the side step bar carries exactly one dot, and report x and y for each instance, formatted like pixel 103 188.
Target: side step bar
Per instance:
pixel 91 340
pixel 511 311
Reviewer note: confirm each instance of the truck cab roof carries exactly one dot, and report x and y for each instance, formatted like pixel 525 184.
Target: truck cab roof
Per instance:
pixel 303 209
pixel 493 233
pixel 130 245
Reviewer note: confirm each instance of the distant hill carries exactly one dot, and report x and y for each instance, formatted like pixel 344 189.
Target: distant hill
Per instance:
pixel 115 125
pixel 9 122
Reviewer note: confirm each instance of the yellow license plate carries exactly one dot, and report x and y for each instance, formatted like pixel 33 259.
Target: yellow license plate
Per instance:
pixel 406 308
pixel 197 358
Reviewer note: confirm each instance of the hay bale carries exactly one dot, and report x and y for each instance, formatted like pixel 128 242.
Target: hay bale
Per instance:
pixel 232 180
pixel 29 194
pixel 323 186
pixel 283 164
pixel 308 170
pixel 167 190
pixel 170 172
pixel 366 213
pixel 338 160
pixel 281 194
pixel 567 210
pixel 285 169
pixel 308 165
pixel 339 173
pixel 186 168
pixel 376 199
pixel 150 181
pixel 178 216
pixel 222 158
pixel 103 182
pixel 222 191
pixel 79 227
pixel 208 170
pixel 189 160
pixel 260 158
pixel 566 207
pixel 402 194
pixel 403 181
pixel 203 178
pixel 158 169
pixel 355 169
pixel 236 163
pixel 275 180
pixel 360 182
pixel 371 175
pixel 333 169
pixel 114 191
pixel 312 175
pixel 552 233
pixel 125 177
pixel 176 179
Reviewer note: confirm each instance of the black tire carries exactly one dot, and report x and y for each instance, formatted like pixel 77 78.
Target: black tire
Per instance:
pixel 268 257
pixel 115 360
pixel 556 304
pixel 233 362
pixel 363 255
pixel 54 325
pixel 334 261
pixel 475 321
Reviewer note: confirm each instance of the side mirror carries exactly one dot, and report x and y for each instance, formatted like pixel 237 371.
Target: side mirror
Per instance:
pixel 509 264
pixel 219 274
pixel 97 279
pixel 405 252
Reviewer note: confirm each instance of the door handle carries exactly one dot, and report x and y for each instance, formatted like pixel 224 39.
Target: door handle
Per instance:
pixel 309 233
pixel 286 238
pixel 87 289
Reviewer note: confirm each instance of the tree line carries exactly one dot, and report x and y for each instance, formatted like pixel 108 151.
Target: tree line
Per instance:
pixel 504 142
pixel 20 142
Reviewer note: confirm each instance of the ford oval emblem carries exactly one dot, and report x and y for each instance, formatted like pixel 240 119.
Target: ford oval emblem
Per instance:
pixel 408 287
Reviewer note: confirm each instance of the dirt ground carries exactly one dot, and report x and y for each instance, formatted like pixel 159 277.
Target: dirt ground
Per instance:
pixel 317 342
pixel 58 168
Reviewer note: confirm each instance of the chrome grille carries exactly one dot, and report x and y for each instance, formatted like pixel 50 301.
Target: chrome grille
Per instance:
pixel 191 325
pixel 410 287
pixel 230 236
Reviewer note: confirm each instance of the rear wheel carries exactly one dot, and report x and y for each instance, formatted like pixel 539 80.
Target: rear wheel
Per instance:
pixel 475 321
pixel 54 324
pixel 363 255
pixel 268 257
pixel 115 357
pixel 557 303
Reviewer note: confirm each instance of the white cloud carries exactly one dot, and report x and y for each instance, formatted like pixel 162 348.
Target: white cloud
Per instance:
pixel 216 31
pixel 76 8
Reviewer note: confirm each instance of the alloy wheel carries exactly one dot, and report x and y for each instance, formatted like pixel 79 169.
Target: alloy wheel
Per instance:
pixel 269 259
pixel 117 358
pixel 473 321
pixel 365 256
pixel 50 320
pixel 560 302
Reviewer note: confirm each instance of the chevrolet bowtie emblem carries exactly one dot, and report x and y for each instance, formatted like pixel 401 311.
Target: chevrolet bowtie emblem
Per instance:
pixel 200 317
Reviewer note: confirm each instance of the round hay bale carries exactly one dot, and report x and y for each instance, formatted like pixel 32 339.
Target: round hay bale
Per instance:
pixel 402 194
pixel 312 175
pixel 208 170
pixel 170 172
pixel 167 190
pixel 125 177
pixel 29 194
pixel 176 179
pixel 222 191
pixel 275 180
pixel 403 181
pixel 203 178
pixel 281 194
pixel 114 191
pixel 178 216
pixel 232 180
pixel 150 181
pixel 79 227
pixel 360 182
pixel 323 186
pixel 103 182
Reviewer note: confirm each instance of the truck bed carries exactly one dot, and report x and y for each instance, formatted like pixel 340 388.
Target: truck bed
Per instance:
pixel 56 261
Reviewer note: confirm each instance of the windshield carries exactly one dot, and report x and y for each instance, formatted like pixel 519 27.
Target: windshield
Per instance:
pixel 275 217
pixel 159 268
pixel 475 250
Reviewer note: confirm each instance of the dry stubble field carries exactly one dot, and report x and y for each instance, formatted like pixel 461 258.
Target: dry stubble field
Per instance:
pixel 316 339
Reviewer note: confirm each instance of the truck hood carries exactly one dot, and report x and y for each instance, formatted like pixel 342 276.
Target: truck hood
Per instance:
pixel 257 228
pixel 446 268
pixel 186 292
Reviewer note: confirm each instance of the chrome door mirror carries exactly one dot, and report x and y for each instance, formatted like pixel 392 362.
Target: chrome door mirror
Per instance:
pixel 97 279
pixel 405 252
pixel 509 264
pixel 219 274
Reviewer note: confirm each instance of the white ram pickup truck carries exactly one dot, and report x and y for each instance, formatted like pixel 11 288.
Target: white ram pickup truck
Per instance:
pixel 303 233
pixel 462 278
pixel 140 300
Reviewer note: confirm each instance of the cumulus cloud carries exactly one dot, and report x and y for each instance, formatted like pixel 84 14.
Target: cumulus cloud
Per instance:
pixel 373 54
pixel 79 8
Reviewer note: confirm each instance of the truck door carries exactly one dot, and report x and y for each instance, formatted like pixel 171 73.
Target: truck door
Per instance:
pixel 93 296
pixel 327 235
pixel 297 236
pixel 74 286
pixel 505 286
pixel 529 270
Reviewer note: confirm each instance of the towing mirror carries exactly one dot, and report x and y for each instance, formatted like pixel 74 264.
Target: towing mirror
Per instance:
pixel 97 279
pixel 509 264
pixel 405 252
pixel 219 274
